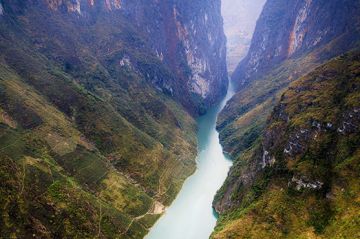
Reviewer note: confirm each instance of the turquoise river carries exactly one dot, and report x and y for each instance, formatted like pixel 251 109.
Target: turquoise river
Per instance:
pixel 191 216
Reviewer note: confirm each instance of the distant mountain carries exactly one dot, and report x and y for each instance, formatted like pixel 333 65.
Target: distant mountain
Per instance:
pixel 239 24
pixel 96 98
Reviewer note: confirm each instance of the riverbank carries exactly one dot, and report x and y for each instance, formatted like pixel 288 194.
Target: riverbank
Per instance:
pixel 191 215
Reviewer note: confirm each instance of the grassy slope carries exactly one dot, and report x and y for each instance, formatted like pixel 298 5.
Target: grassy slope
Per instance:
pixel 86 145
pixel 267 202
pixel 244 117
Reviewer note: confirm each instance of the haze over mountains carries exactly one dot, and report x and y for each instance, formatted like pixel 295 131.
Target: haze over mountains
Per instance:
pixel 240 18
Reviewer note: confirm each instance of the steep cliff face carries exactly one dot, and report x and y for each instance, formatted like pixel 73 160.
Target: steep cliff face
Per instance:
pixel 301 180
pixel 289 41
pixel 93 139
pixel 188 37
pixel 288 29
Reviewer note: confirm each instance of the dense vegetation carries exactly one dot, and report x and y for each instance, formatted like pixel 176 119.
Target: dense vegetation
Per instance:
pixel 300 179
pixel 89 147
pixel 284 127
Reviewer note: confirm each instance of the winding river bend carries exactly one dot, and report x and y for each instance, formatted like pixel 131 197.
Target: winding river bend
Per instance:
pixel 191 216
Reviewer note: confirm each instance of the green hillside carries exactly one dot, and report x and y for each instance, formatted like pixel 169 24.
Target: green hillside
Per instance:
pixel 300 178
pixel 89 148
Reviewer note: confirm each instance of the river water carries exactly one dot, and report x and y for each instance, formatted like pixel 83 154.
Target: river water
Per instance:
pixel 191 216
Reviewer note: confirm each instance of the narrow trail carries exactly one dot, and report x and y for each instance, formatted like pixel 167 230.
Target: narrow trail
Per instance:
pixel 152 211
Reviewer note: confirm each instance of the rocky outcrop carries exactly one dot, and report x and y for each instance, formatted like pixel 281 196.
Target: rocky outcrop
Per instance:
pixel 186 37
pixel 288 29
pixel 311 134
pixel 289 42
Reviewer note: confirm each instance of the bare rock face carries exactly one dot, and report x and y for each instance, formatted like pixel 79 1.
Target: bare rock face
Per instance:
pixel 188 37
pixel 287 29
pixel 1 9
pixel 77 5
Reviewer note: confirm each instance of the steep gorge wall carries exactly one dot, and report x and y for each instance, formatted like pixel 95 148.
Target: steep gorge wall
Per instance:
pixel 288 29
pixel 92 131
pixel 300 180
pixel 291 40
pixel 188 37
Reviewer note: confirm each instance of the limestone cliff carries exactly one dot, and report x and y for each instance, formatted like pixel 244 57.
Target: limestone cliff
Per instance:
pixel 291 39
pixel 188 37
pixel 288 29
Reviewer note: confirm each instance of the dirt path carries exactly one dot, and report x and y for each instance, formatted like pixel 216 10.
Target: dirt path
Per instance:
pixel 156 209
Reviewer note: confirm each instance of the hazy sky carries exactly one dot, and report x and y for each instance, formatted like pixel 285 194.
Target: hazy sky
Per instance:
pixel 239 22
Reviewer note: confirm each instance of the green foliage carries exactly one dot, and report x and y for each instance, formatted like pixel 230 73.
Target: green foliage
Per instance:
pixel 269 202
pixel 90 144
pixel 320 217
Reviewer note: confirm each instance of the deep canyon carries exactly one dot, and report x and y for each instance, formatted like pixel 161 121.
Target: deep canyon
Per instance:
pixel 191 214
pixel 117 119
